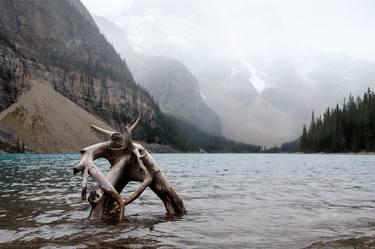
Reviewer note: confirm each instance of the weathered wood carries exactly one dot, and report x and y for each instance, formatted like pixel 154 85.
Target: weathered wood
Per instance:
pixel 129 162
pixel 125 168
pixel 87 167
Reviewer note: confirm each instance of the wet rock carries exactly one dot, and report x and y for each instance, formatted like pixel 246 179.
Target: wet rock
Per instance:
pixel 351 243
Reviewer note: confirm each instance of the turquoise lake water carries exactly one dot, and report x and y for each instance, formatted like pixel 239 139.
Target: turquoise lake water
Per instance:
pixel 233 201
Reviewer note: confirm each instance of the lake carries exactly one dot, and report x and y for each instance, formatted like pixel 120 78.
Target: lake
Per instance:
pixel 233 201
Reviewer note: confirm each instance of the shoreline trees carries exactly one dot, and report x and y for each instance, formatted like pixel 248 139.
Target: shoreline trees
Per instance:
pixel 346 128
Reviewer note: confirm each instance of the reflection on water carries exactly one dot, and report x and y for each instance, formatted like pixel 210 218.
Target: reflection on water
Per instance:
pixel 233 201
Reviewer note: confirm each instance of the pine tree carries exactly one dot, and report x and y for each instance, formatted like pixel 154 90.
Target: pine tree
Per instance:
pixel 349 127
pixel 304 140
pixel 18 148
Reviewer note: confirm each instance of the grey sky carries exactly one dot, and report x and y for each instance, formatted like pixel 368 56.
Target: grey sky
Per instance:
pixel 327 25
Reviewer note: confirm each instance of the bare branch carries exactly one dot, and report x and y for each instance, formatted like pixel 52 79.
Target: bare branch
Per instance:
pixel 141 187
pixel 131 128
pixel 102 131
pixel 89 168
pixel 85 175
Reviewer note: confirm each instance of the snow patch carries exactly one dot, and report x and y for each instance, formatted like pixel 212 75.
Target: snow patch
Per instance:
pixel 258 83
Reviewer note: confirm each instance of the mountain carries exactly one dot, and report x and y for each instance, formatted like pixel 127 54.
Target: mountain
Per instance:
pixel 64 43
pixel 34 113
pixel 255 72
pixel 246 114
pixel 168 80
pixel 176 90
pixel 47 122
pixel 58 74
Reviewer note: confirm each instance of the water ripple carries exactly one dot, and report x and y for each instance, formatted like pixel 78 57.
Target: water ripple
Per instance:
pixel 234 201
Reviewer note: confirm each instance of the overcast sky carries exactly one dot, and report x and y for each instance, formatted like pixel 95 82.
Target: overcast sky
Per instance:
pixel 327 25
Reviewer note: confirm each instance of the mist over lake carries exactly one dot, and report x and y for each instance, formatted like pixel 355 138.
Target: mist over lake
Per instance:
pixel 233 201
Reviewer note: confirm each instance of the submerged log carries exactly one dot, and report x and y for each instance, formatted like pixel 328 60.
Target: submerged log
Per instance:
pixel 127 166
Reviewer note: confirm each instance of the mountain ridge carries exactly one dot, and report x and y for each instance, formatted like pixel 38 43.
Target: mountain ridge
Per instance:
pixel 58 74
pixel 70 53
pixel 171 83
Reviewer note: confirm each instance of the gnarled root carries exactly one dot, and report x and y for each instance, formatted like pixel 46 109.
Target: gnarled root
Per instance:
pixel 87 166
pixel 149 175
pixel 129 162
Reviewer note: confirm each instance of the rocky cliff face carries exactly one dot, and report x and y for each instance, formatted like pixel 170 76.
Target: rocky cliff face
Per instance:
pixel 58 43
pixel 177 92
pixel 168 80
pixel 34 113
pixel 11 75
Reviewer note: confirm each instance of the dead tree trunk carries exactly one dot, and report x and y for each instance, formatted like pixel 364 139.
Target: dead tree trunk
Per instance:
pixel 125 168
pixel 129 162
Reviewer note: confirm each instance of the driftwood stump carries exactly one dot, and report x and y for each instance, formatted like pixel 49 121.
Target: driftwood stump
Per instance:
pixel 125 167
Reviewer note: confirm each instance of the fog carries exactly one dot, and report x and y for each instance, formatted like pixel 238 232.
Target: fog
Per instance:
pixel 264 65
pixel 333 25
